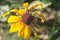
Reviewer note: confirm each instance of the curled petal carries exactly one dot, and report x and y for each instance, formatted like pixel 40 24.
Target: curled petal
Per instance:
pixel 42 17
pixel 41 7
pixel 33 7
pixel 7 13
pixel 35 35
pixel 38 5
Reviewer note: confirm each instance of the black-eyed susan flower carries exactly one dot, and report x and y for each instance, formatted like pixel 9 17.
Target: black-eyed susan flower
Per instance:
pixel 21 22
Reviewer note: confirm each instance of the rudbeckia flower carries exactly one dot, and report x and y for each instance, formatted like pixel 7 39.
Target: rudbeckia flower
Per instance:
pixel 22 20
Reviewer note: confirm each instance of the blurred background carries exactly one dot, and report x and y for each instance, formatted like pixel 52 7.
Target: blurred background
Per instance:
pixel 51 27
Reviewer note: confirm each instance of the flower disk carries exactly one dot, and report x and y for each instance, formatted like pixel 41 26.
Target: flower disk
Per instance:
pixel 27 18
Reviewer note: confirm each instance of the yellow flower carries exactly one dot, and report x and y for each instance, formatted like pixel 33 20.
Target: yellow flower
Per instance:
pixel 21 22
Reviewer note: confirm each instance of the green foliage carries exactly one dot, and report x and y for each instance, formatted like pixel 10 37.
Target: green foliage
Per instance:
pixel 55 3
pixel 45 1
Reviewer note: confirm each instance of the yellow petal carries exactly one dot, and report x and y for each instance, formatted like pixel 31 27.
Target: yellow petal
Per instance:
pixel 13 28
pixel 21 33
pixel 21 11
pixel 18 12
pixel 27 32
pixel 14 19
pixel 21 25
pixel 16 27
pixel 21 28
pixel 7 13
pixel 26 5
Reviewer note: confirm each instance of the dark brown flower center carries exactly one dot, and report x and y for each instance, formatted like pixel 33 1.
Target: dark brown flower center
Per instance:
pixel 27 18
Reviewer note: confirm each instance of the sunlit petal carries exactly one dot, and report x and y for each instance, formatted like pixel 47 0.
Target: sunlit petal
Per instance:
pixel 14 19
pixel 13 28
pixel 16 27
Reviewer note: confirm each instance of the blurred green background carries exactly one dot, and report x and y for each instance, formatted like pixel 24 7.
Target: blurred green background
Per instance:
pixel 51 26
